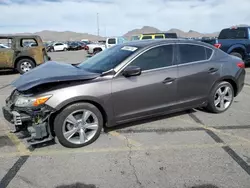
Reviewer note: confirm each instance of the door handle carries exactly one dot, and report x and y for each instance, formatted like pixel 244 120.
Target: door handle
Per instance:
pixel 212 70
pixel 168 80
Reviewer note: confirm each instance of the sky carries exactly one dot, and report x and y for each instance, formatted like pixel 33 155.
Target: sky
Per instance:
pixel 116 17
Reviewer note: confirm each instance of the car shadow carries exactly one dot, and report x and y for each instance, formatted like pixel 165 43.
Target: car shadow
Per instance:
pixel 7 72
pixel 147 120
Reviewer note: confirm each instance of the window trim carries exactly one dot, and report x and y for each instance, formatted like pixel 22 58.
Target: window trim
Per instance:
pixel 119 68
pixel 193 62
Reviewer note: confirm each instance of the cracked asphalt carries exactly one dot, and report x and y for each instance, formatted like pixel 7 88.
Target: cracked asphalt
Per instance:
pixel 191 149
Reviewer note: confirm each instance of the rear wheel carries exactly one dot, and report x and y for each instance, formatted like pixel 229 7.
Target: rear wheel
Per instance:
pixel 220 98
pixel 96 51
pixel 78 125
pixel 236 54
pixel 24 65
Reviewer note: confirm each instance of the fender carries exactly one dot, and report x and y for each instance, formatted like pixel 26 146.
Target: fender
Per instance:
pixel 106 111
pixel 236 46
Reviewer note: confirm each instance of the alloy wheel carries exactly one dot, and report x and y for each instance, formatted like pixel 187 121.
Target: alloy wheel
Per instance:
pixel 80 126
pixel 223 98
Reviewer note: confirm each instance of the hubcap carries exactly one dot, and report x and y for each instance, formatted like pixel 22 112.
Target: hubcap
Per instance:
pixel 223 98
pixel 80 126
pixel 26 66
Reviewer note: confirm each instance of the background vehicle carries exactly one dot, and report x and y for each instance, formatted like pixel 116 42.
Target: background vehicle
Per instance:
pixel 74 46
pixel 4 46
pixel 157 36
pixel 127 82
pixel 20 56
pixel 58 46
pixel 115 40
pixel 234 41
pixel 95 48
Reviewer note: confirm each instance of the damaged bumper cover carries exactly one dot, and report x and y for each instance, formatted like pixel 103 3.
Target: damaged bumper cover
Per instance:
pixel 33 122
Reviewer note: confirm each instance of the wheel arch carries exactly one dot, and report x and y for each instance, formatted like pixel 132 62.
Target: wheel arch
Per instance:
pixel 229 79
pixel 71 101
pixel 24 57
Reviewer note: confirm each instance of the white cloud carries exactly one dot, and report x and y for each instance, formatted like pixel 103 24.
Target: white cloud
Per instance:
pixel 119 16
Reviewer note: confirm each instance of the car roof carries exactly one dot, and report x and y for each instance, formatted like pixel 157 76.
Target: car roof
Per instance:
pixel 153 42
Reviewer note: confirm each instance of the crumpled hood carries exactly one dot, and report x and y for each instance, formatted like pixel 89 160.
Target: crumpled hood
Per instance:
pixel 50 72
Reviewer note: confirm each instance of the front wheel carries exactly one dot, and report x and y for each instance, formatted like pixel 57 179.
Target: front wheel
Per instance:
pixel 78 125
pixel 220 98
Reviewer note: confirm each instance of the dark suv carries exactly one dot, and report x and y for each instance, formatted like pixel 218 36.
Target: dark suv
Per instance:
pixel 24 52
pixel 126 82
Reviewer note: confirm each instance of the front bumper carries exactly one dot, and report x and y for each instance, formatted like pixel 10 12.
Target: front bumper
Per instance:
pixel 15 117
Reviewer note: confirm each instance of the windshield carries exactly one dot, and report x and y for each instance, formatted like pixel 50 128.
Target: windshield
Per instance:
pixel 108 59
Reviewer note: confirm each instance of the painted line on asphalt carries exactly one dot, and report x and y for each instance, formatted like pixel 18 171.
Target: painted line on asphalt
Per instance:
pixel 124 138
pixel 243 164
pixel 21 147
pixel 47 152
pixel 213 128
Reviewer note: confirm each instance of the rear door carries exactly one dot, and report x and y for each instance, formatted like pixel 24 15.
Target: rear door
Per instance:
pixel 36 50
pixel 196 73
pixel 154 91
pixel 111 42
pixel 6 57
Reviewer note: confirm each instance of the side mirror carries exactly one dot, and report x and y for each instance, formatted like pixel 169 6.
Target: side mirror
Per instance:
pixel 131 71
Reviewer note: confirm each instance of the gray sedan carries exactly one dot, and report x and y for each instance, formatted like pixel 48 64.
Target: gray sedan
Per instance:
pixel 127 82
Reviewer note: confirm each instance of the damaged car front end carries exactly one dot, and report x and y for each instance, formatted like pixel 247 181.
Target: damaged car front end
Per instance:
pixel 30 115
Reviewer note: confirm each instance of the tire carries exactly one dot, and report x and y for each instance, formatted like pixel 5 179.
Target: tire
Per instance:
pixel 52 49
pixel 236 54
pixel 212 99
pixel 75 109
pixel 65 49
pixel 25 65
pixel 97 51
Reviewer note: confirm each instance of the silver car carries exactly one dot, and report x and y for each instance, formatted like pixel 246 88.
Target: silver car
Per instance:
pixel 127 82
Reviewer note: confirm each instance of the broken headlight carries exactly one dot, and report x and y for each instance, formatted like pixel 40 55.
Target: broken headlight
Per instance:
pixel 23 101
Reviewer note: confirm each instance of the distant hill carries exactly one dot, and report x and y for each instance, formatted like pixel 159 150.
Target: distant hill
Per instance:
pixel 180 33
pixel 48 35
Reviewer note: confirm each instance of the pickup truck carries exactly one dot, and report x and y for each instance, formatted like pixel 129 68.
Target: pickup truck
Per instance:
pixel 234 41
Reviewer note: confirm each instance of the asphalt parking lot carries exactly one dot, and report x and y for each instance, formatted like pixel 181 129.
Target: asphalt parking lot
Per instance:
pixel 192 149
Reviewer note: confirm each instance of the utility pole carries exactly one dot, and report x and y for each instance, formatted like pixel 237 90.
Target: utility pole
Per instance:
pixel 98 24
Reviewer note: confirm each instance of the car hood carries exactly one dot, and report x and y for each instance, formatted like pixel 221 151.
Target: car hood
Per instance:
pixel 51 72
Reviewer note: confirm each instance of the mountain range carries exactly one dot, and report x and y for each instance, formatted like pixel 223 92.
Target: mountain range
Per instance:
pixel 48 35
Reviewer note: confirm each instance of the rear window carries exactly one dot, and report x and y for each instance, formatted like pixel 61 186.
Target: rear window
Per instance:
pixel 239 33
pixel 191 53
pixel 159 36
pixel 28 42
pixel 147 37
pixel 112 41
pixel 170 35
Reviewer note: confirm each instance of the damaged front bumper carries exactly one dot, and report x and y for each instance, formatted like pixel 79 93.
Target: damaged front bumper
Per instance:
pixel 33 123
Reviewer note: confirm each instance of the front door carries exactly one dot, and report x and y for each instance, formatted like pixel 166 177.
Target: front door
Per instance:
pixel 6 57
pixel 151 92
pixel 196 73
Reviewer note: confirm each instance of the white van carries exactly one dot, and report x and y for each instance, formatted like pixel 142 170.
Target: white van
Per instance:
pixel 114 40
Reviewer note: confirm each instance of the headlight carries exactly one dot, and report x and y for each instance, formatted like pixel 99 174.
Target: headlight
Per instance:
pixel 23 101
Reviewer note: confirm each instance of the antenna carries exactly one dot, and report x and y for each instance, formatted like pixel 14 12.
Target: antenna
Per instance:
pixel 97 17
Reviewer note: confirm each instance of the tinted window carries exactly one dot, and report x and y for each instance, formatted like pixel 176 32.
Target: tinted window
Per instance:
pixel 159 36
pixel 170 35
pixel 240 33
pixel 147 37
pixel 191 53
pixel 27 42
pixel 208 52
pixel 112 41
pixel 155 58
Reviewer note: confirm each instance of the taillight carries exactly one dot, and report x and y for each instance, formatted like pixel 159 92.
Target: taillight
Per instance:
pixel 217 45
pixel 241 65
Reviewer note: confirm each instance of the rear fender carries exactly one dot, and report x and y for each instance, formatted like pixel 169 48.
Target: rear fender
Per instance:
pixel 236 46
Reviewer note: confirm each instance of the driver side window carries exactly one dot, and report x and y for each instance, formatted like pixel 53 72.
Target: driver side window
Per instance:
pixel 154 58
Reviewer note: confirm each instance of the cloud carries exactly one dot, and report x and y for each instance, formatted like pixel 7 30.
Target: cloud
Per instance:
pixel 116 17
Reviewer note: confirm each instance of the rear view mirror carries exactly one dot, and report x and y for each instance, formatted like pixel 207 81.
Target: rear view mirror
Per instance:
pixel 132 71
